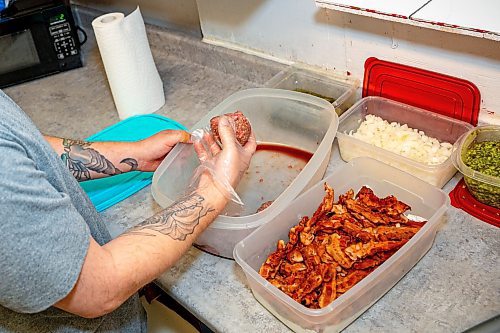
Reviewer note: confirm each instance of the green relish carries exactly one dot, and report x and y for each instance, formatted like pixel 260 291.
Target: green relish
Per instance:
pixel 484 157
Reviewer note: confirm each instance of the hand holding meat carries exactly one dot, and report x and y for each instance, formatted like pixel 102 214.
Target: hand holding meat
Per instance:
pixel 240 124
pixel 226 165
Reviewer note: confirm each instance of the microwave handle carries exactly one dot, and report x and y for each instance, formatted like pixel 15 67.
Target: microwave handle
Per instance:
pixel 84 35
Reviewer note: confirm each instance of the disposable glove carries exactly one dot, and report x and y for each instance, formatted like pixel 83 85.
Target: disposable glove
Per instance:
pixel 226 165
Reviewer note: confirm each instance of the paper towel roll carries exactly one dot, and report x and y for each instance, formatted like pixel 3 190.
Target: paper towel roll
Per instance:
pixel 132 75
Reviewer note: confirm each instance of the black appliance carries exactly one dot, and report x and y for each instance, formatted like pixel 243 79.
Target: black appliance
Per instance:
pixel 37 38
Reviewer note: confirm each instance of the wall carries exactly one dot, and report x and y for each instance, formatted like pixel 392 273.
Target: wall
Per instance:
pixel 298 31
pixel 174 14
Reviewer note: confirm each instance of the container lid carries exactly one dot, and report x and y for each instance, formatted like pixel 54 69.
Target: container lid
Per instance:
pixel 443 94
pixel 105 192
pixel 461 198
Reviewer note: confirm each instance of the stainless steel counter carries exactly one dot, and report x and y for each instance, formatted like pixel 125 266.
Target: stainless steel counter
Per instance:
pixel 455 286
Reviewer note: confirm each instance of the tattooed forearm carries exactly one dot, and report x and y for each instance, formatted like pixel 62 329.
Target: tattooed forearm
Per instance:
pixel 81 159
pixel 71 142
pixel 177 221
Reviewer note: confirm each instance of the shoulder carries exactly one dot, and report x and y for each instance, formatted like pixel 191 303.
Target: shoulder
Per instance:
pixel 8 108
pixel 12 117
pixel 17 132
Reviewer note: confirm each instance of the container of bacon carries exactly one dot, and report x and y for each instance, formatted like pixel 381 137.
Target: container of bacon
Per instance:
pixel 341 245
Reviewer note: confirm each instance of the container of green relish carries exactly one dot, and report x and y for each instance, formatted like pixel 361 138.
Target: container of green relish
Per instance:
pixel 477 157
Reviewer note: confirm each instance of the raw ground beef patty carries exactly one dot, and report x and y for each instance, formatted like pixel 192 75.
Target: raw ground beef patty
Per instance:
pixel 243 128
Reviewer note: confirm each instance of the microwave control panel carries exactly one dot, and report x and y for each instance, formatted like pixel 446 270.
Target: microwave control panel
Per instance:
pixel 62 36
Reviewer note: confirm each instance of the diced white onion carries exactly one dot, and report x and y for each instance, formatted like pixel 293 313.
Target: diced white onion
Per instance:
pixel 402 140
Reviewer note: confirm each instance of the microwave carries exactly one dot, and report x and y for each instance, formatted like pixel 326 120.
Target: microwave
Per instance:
pixel 37 38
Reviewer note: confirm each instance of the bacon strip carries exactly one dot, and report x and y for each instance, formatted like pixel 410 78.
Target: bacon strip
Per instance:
pixel 338 246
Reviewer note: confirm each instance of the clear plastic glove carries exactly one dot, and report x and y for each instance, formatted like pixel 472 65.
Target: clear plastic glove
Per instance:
pixel 226 165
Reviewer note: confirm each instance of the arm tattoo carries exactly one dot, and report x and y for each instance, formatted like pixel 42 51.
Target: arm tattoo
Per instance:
pixel 177 221
pixel 80 159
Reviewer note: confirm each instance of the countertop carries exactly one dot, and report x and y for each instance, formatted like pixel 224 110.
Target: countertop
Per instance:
pixel 455 286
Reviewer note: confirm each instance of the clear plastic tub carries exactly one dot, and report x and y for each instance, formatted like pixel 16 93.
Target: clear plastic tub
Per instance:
pixel 425 200
pixel 485 188
pixel 279 117
pixel 434 125
pixel 338 90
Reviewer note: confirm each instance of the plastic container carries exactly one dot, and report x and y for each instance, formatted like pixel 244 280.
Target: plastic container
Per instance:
pixel 447 95
pixel 338 90
pixel 425 200
pixel 434 125
pixel 485 188
pixel 279 117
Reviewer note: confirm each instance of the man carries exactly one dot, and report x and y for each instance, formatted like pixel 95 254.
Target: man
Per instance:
pixel 59 269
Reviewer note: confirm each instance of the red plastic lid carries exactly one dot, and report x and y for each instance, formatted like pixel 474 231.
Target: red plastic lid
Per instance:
pixel 443 94
pixel 461 198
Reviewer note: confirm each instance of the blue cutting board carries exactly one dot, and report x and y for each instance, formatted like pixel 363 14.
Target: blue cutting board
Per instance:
pixel 105 192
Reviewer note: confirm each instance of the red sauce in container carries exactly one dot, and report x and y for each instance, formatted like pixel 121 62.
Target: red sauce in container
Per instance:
pixel 287 150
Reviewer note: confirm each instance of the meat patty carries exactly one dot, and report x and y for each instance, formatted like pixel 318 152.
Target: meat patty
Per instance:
pixel 243 128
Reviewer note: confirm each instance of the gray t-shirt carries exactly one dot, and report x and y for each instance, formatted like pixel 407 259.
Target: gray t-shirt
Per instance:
pixel 46 222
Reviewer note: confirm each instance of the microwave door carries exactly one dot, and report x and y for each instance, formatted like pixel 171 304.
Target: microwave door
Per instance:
pixel 21 58
pixel 17 52
pixel 25 53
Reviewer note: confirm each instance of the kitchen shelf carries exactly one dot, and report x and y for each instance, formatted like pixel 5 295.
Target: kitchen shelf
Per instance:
pixel 478 17
pixel 392 8
pixel 454 16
